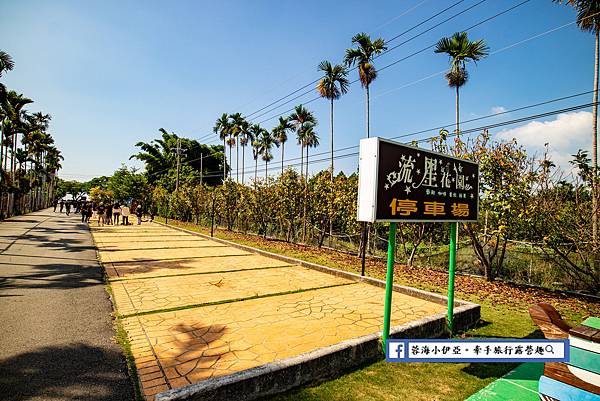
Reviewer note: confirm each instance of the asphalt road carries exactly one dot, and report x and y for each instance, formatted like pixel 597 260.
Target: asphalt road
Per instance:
pixel 56 335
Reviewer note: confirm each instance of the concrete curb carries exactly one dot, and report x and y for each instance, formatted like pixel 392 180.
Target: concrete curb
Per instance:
pixel 323 363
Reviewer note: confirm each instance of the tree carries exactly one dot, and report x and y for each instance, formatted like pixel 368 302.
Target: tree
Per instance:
pixel 96 182
pixel 126 184
pixel 363 57
pixel 461 50
pixel 160 159
pixel 222 129
pixel 99 195
pixel 301 118
pixel 310 140
pixel 245 136
pixel 256 131
pixel 265 142
pixel 280 131
pixel 73 188
pixel 332 86
pixel 236 128
pixel 559 214
pixel 505 185
pixel 588 20
pixel 6 64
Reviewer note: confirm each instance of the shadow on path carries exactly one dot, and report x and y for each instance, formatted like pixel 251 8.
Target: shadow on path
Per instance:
pixel 72 372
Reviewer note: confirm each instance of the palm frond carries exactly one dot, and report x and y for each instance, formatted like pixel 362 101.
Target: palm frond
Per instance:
pixel 6 62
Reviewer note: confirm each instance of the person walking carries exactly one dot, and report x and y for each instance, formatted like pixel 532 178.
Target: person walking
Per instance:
pixel 55 203
pixel 83 213
pixel 101 210
pixel 125 213
pixel 90 212
pixel 62 205
pixel 68 207
pixel 108 219
pixel 116 213
pixel 139 212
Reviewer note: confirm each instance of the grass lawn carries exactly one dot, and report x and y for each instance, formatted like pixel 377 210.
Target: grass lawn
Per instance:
pixel 503 315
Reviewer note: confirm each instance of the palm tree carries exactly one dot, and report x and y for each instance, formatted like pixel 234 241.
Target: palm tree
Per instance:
pixel 588 19
pixel 460 49
pixel 333 85
pixel 245 137
pixel 363 57
pixel 280 131
pixel 310 140
pixel 6 64
pixel 299 118
pixel 235 130
pixel 14 123
pixel 255 130
pixel 265 142
pixel 222 129
pixel 255 156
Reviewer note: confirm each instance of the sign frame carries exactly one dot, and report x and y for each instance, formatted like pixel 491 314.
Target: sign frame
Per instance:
pixel 369 172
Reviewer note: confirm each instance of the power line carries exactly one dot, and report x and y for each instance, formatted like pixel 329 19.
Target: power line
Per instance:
pixel 463 132
pixel 431 28
pixel 312 83
pixel 467 131
pixel 390 64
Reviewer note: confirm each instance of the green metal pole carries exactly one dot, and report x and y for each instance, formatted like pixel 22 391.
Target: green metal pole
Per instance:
pixel 451 268
pixel 389 285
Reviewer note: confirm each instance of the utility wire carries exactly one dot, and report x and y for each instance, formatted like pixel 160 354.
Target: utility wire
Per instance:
pixel 312 83
pixel 385 66
pixel 249 169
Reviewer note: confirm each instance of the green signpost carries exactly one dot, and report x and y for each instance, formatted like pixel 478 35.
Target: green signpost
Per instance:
pixel 400 183
pixel 451 267
pixel 389 283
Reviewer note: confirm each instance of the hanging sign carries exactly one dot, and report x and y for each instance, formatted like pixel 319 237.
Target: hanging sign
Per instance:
pixel 401 183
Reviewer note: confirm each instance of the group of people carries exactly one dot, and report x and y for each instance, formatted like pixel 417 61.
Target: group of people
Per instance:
pixel 103 212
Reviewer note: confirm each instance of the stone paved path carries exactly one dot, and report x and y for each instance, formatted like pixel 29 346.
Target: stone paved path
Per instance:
pixel 196 312
pixel 55 331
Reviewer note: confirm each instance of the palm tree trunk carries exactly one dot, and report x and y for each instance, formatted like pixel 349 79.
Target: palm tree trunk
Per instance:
pixel 255 170
pixel 1 169
pixel 13 171
pixel 367 92
pixel 305 199
pixel 302 161
pixel 307 164
pixel 282 154
pixel 230 146
pixel 595 147
pixel 331 167
pixel 457 114
pixel 266 170
pixel 457 135
pixel 243 161
pixel 237 160
pixel 224 160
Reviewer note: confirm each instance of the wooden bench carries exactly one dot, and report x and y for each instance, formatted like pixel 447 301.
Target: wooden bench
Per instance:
pixel 578 379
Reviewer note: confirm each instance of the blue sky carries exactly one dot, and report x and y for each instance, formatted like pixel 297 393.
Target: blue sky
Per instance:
pixel 112 73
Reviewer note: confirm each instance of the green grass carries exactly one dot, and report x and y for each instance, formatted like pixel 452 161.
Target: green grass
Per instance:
pixel 123 341
pixel 425 381
pixel 413 381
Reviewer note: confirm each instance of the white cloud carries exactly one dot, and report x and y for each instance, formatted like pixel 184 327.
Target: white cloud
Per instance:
pixel 564 135
pixel 498 109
